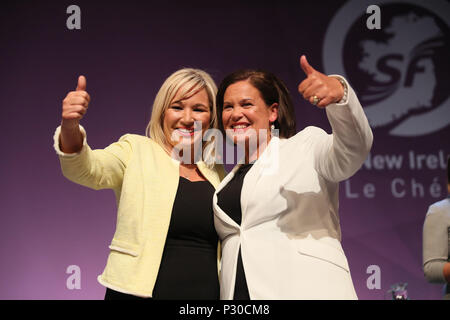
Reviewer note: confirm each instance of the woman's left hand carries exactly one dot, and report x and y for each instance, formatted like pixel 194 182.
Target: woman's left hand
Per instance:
pixel 318 88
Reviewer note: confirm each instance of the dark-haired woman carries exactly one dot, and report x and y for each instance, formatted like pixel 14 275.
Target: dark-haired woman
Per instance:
pixel 277 214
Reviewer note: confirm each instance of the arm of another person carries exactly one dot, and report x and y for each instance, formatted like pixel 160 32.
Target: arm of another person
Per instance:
pixel 340 155
pixel 436 267
pixel 96 169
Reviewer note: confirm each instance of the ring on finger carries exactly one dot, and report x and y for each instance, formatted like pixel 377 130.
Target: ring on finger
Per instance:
pixel 315 100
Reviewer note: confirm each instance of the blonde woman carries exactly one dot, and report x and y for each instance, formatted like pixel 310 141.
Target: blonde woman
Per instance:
pixel 165 245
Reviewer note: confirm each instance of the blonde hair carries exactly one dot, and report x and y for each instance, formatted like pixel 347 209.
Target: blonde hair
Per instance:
pixel 188 80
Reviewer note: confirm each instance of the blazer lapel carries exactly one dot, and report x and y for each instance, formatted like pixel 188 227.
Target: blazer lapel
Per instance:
pixel 265 164
pixel 220 213
pixel 211 175
pixel 228 178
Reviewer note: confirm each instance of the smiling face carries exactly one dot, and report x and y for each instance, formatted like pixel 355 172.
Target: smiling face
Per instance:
pixel 182 114
pixel 244 109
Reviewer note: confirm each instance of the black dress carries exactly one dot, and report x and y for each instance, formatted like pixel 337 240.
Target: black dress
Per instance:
pixel 188 268
pixel 229 200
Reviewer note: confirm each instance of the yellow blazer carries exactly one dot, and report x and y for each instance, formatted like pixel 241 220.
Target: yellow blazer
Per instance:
pixel 144 179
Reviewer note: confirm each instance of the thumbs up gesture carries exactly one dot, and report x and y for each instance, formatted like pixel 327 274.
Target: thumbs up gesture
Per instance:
pixel 318 88
pixel 75 105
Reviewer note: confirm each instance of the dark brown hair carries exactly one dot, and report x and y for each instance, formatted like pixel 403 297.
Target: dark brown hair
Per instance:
pixel 272 90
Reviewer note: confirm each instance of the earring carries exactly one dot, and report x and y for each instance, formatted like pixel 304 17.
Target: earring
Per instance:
pixel 273 132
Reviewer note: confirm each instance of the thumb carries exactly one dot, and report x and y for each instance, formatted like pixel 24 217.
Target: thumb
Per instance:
pixel 81 83
pixel 306 66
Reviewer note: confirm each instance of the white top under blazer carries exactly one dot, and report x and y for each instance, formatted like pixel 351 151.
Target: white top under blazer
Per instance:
pixel 290 236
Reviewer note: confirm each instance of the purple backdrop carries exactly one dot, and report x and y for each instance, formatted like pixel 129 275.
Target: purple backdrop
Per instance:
pixel 127 49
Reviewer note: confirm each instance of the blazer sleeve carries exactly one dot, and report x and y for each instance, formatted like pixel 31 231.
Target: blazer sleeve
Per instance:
pixel 434 246
pixel 339 155
pixel 95 169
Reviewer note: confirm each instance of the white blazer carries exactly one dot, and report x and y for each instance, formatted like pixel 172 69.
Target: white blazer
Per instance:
pixel 290 233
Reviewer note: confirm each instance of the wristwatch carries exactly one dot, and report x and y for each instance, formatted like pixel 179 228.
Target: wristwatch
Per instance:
pixel 344 97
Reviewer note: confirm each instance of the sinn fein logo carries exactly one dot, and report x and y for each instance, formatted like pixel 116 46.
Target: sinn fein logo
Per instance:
pixel 399 71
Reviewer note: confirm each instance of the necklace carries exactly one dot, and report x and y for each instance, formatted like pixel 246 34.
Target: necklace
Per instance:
pixel 188 174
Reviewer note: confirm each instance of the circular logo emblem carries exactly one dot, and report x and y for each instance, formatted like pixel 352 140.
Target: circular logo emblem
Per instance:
pixel 399 71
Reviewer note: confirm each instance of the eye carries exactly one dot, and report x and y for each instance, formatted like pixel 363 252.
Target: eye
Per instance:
pixel 176 107
pixel 227 106
pixel 247 104
pixel 199 110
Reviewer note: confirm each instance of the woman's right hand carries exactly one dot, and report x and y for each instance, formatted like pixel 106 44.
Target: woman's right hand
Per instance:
pixel 75 105
pixel 74 108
